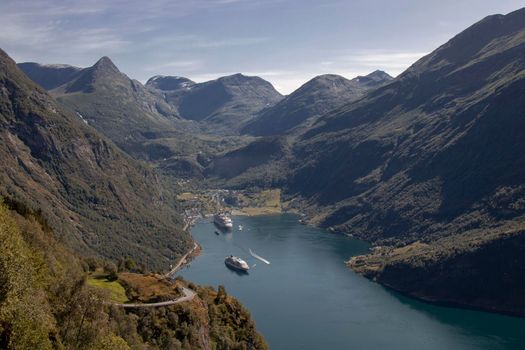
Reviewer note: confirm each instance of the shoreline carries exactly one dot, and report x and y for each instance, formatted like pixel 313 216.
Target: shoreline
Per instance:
pixel 446 304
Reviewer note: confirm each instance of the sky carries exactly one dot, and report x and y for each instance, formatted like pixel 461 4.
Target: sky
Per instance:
pixel 286 42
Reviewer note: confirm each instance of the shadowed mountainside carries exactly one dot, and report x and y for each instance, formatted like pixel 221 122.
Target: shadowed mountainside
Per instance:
pixel 438 142
pixel 97 199
pixel 431 167
pixel 436 159
pixel 49 76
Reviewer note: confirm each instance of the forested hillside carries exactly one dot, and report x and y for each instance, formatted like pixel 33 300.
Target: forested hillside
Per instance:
pixel 45 302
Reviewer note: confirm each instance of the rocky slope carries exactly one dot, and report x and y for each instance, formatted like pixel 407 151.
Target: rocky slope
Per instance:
pixel 315 98
pixel 223 104
pixel 439 142
pixel 119 107
pixel 98 200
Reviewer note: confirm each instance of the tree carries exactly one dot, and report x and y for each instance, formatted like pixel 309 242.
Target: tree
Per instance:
pixel 111 270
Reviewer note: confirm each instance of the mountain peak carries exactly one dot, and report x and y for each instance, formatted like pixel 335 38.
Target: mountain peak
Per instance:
pixel 105 63
pixel 169 83
pixel 380 75
pixel 103 71
pixel 327 77
pixel 374 79
pixel 239 77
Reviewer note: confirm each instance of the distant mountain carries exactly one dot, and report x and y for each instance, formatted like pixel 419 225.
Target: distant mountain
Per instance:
pixel 49 76
pixel 223 104
pixel 98 200
pixel 137 119
pixel 169 83
pixel 373 80
pixel 119 107
pixel 316 97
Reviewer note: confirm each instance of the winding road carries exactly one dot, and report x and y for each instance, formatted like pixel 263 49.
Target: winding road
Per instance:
pixel 182 260
pixel 188 295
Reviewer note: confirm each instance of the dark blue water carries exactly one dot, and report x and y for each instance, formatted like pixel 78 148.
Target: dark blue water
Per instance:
pixel 307 299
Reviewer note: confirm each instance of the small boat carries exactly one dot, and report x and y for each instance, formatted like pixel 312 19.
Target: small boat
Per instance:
pixel 236 263
pixel 240 227
pixel 217 232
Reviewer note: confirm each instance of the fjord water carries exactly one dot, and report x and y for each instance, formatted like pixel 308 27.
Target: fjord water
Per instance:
pixel 307 298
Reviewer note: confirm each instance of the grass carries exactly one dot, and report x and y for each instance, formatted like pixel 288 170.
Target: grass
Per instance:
pixel 254 211
pixel 260 203
pixel 115 289
pixel 149 288
pixel 186 196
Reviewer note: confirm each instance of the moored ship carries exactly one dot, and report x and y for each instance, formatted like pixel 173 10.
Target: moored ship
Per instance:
pixel 236 263
pixel 223 220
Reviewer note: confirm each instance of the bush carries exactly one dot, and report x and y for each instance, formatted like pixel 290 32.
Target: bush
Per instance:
pixel 111 270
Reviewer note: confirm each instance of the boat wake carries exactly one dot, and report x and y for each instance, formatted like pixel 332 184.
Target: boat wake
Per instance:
pixel 259 257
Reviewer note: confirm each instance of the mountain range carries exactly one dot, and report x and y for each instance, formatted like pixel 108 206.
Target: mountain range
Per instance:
pixel 315 98
pixel 224 103
pixel 429 166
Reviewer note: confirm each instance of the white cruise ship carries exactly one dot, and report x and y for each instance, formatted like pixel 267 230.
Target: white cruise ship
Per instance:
pixel 236 263
pixel 223 220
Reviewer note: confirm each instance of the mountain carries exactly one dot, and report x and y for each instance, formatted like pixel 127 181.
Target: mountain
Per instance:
pixel 255 164
pixel 49 76
pixel 99 201
pixel 433 164
pixel 139 120
pixel 429 167
pixel 316 97
pixel 119 107
pixel 223 104
pixel 168 83
pixel 444 134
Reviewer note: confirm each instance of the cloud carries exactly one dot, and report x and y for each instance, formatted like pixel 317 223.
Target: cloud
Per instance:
pixel 186 65
pixel 392 61
pixel 205 43
pixel 285 81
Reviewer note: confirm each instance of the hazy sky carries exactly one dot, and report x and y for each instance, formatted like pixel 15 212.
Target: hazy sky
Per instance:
pixel 284 41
